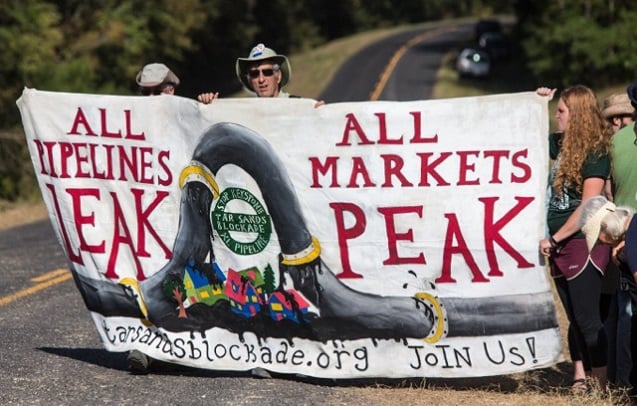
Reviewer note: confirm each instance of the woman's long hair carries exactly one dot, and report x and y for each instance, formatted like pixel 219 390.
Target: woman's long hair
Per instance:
pixel 586 132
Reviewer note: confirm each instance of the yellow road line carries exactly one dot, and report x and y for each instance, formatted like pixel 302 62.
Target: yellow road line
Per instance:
pixel 50 275
pixel 384 77
pixel 47 280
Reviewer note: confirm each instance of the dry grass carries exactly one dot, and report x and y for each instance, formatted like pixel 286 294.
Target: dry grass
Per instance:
pixel 12 215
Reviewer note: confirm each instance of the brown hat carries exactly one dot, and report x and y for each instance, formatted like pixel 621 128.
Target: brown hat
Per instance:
pixel 155 74
pixel 617 104
pixel 261 53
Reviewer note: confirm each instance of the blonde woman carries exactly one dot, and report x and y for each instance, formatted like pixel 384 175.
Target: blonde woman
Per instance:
pixel 581 164
pixel 604 223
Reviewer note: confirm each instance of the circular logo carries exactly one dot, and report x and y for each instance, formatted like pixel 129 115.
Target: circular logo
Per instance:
pixel 241 222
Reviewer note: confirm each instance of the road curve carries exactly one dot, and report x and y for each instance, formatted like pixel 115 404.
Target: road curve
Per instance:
pixel 409 59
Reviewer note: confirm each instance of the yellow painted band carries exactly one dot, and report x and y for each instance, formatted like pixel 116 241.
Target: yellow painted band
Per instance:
pixel 135 286
pixel 440 327
pixel 314 253
pixel 197 169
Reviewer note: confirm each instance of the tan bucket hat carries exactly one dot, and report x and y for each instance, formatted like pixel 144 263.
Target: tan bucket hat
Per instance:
pixel 155 74
pixel 260 53
pixel 617 105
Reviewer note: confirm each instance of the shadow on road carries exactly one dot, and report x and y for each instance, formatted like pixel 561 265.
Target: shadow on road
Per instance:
pixel 543 380
pixel 117 361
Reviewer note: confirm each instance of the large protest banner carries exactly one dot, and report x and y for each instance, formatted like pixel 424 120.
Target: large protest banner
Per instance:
pixel 371 239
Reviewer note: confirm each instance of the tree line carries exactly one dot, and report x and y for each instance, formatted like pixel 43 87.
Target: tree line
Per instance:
pixel 592 42
pixel 98 46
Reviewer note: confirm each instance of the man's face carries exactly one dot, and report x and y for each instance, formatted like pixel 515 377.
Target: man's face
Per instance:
pixel 604 238
pixel 619 122
pixel 264 77
pixel 165 88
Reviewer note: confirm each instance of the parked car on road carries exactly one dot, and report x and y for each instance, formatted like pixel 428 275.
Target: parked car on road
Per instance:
pixel 495 44
pixel 473 62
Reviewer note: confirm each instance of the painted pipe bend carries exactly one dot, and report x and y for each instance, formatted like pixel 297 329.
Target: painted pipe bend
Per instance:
pixel 229 143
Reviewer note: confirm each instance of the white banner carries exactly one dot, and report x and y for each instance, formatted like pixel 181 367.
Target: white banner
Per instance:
pixel 371 239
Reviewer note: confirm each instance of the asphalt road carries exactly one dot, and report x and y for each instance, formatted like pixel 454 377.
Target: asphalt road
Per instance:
pixel 410 60
pixel 50 352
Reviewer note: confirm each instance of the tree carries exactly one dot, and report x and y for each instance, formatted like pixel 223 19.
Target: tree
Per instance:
pixel 584 41
pixel 173 288
pixel 268 279
pixel 30 36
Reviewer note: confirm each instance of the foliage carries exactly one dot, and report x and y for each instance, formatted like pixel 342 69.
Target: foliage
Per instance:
pixel 16 172
pixel 98 46
pixel 29 33
pixel 580 41
pixel 173 288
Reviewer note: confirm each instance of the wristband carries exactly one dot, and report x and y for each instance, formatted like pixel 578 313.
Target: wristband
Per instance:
pixel 554 243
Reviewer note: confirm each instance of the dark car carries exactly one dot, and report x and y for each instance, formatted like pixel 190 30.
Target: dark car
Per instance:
pixel 484 26
pixel 472 62
pixel 495 44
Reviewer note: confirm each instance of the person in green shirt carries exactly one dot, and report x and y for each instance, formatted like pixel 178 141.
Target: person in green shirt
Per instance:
pixel 624 178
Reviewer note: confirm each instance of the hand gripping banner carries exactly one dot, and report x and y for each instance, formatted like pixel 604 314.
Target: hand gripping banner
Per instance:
pixel 371 239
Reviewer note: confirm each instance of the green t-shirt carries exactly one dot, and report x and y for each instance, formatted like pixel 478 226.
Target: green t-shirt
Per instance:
pixel 561 206
pixel 624 153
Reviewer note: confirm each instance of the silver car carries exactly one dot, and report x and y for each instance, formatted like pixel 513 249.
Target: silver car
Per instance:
pixel 472 62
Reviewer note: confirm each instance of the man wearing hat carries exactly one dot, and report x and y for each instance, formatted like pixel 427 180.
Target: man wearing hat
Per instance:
pixel 156 78
pixel 624 151
pixel 618 111
pixel 264 72
pixel 153 79
pixel 624 176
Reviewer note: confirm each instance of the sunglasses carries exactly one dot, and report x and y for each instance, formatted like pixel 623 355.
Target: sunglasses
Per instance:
pixel 254 73
pixel 150 91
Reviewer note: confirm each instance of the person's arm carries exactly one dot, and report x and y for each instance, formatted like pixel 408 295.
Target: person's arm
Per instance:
pixel 617 254
pixel 625 251
pixel 207 98
pixel 546 91
pixel 608 190
pixel 592 187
